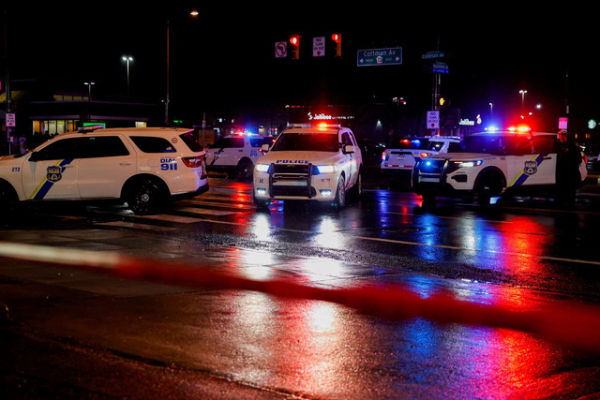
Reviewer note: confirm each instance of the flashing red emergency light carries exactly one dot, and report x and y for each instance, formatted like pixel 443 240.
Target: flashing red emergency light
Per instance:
pixel 520 129
pixel 336 37
pixel 295 40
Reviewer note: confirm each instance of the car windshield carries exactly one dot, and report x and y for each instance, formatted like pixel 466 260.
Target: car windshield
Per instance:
pixel 435 145
pixel 483 144
pixel 307 142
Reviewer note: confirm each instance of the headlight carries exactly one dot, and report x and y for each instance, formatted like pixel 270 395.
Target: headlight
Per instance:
pixel 263 167
pixel 325 169
pixel 469 164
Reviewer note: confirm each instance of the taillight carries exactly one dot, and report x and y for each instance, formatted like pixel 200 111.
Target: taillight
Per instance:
pixel 193 162
pixel 424 155
pixel 585 159
pixel 384 156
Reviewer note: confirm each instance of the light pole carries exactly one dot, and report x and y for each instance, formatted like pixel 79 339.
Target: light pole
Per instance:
pixel 194 14
pixel 127 60
pixel 523 93
pixel 89 85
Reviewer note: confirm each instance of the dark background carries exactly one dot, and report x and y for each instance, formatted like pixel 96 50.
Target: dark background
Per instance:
pixel 224 60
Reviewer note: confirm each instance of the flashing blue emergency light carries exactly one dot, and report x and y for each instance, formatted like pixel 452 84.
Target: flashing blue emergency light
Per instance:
pixel 428 163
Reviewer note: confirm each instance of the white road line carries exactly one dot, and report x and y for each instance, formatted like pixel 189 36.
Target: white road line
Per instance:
pixel 133 225
pixel 171 218
pixel 224 204
pixel 204 211
pixel 442 246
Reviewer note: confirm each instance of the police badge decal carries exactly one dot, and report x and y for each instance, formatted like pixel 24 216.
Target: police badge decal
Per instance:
pixel 54 173
pixel 530 167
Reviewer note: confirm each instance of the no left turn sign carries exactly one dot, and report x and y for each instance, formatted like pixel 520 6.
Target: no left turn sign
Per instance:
pixel 280 49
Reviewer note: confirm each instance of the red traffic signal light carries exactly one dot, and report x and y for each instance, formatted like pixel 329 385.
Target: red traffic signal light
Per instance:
pixel 337 44
pixel 295 42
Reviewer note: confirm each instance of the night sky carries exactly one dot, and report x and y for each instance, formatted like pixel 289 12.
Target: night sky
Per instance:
pixel 224 60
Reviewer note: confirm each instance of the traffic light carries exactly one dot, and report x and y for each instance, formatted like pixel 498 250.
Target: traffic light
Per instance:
pixel 295 48
pixel 337 44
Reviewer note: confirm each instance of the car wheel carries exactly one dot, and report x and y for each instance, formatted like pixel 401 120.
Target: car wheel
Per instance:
pixel 340 194
pixel 488 188
pixel 8 199
pixel 245 169
pixel 146 197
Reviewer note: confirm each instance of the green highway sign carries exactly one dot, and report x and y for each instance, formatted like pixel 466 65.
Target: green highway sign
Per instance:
pixel 376 57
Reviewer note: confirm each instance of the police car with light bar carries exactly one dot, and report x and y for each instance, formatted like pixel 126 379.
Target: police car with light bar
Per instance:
pixel 236 154
pixel 317 164
pixel 397 163
pixel 144 167
pixel 495 164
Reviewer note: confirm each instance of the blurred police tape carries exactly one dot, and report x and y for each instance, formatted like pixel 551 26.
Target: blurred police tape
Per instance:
pixel 574 325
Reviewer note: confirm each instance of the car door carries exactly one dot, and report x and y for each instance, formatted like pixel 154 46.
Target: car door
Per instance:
pixel 525 165
pixel 104 163
pixel 51 172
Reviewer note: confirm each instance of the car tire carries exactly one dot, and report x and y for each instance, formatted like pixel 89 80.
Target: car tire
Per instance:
pixel 340 194
pixel 145 197
pixel 244 169
pixel 486 189
pixel 8 199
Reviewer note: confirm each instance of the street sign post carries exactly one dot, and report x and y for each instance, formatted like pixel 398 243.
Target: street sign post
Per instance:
pixel 378 57
pixel 280 49
pixel 319 46
pixel 11 120
pixel 433 120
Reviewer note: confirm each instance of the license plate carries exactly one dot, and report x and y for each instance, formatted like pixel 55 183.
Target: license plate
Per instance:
pixel 429 180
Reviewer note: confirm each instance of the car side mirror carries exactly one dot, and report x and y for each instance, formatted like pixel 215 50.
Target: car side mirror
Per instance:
pixel 265 147
pixel 348 149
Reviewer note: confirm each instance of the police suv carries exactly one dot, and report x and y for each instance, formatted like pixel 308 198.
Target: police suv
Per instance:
pixel 141 166
pixel 397 163
pixel 318 164
pixel 236 154
pixel 503 163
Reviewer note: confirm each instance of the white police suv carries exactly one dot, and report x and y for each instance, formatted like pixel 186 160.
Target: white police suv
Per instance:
pixel 491 165
pixel 318 164
pixel 141 166
pixel 236 154
pixel 397 163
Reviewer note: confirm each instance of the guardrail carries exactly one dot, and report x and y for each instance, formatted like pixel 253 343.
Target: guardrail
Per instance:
pixel 570 324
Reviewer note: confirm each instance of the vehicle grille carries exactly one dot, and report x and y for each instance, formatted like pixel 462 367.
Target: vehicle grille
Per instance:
pixel 291 180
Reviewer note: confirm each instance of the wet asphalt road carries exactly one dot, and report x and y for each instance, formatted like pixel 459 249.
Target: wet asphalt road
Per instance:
pixel 78 334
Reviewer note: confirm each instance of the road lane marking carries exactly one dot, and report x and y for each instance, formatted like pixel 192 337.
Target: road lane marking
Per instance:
pixel 420 244
pixel 203 211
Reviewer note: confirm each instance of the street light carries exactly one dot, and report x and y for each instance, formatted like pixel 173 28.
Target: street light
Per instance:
pixel 89 85
pixel 523 93
pixel 127 60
